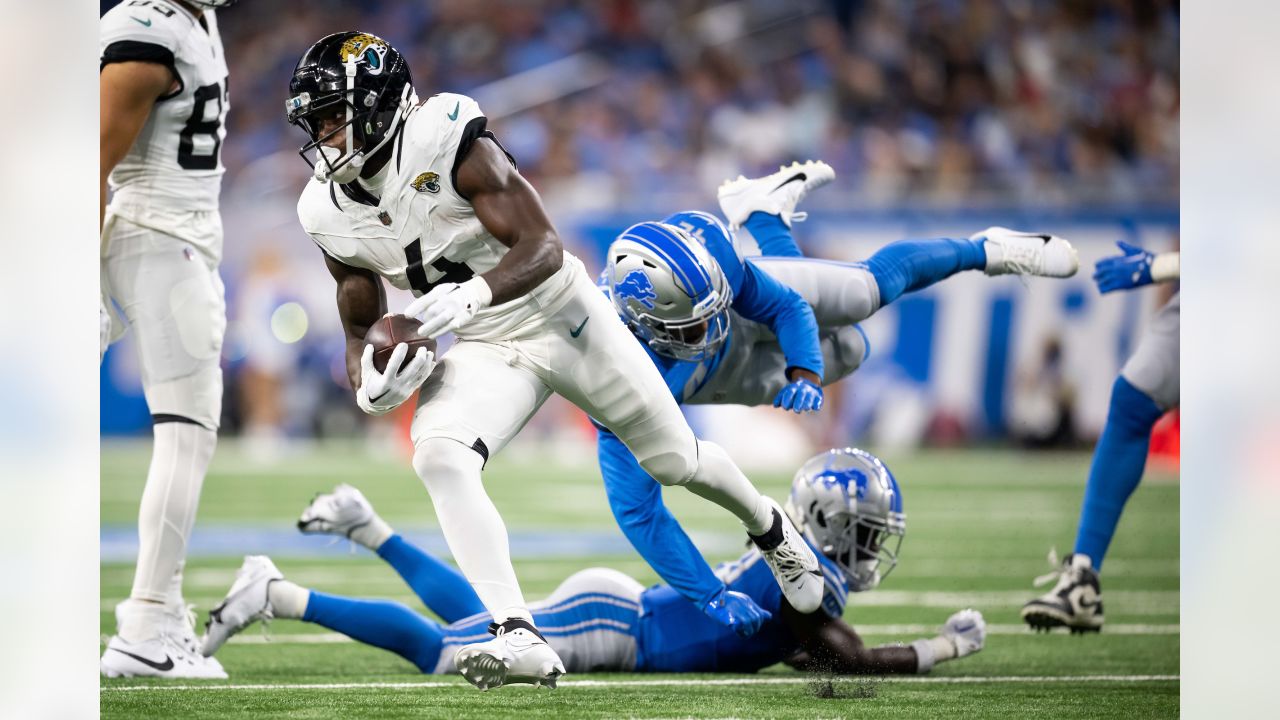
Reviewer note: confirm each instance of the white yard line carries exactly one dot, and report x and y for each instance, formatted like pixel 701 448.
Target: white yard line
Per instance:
pixel 976 680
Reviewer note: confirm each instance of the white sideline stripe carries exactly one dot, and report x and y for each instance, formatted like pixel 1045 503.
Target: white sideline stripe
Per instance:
pixel 1115 629
pixel 962 680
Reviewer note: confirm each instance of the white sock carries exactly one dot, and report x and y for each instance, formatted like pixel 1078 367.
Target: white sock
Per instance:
pixel 719 480
pixel 139 620
pixel 471 524
pixel 179 460
pixel 373 533
pixel 288 600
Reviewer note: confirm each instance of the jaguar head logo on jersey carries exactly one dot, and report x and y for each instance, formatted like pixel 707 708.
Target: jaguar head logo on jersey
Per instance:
pixel 636 285
pixel 670 291
pixel 426 182
pixel 370 49
pixel 849 507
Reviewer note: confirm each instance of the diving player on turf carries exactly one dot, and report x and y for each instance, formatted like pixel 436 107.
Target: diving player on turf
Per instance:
pixel 846 502
pixel 163 89
pixel 724 329
pixel 422 194
pixel 1148 386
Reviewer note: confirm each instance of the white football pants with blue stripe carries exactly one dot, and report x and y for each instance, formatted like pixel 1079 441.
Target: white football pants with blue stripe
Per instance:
pixel 590 621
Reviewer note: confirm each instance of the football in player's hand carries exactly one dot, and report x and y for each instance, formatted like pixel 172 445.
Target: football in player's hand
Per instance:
pixel 391 330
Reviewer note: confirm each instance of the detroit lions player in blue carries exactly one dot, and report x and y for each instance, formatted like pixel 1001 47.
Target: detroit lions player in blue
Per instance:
pixel 1147 387
pixel 725 329
pixel 846 502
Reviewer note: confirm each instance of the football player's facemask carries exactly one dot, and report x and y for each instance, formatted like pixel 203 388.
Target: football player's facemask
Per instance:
pixel 669 291
pixel 365 81
pixel 849 506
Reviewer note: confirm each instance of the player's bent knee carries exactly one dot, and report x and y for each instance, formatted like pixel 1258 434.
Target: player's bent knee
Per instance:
pixel 441 459
pixel 671 467
pixel 196 397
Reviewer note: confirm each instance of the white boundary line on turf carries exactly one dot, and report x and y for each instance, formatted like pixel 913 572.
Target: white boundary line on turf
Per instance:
pixel 1113 629
pixel 960 680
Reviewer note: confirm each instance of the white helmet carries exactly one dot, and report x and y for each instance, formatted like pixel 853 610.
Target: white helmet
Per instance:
pixel 849 506
pixel 669 290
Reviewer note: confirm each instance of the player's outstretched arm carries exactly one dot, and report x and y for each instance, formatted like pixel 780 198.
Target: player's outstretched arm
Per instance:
pixel 636 501
pixel 830 645
pixel 510 209
pixel 361 301
pixel 764 299
pixel 128 91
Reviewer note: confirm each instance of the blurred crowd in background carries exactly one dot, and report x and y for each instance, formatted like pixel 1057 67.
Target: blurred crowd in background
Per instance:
pixel 619 109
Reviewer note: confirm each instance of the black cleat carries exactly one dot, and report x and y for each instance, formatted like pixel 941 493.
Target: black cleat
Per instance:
pixel 1074 603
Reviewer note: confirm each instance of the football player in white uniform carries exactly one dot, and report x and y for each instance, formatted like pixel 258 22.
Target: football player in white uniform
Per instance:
pixel 163 89
pixel 423 195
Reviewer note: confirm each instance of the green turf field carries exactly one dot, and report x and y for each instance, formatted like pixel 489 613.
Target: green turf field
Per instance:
pixel 979 525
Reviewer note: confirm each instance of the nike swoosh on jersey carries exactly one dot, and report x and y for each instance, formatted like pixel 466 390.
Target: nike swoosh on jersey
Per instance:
pixel 144 23
pixel 454 115
pixel 578 330
pixel 166 665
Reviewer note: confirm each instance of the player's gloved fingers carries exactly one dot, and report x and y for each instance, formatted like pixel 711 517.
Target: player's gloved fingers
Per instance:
pixel 1129 249
pixel 398 354
pixel 415 365
pixel 420 304
pixel 367 370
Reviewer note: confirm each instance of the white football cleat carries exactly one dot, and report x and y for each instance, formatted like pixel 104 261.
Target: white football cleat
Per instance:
pixel 794 565
pixel 967 630
pixel 776 194
pixel 1012 252
pixel 246 602
pixel 514 655
pixel 336 513
pixel 162 656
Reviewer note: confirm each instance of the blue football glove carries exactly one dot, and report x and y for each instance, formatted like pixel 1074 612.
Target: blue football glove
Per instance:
pixel 736 610
pixel 800 396
pixel 1122 272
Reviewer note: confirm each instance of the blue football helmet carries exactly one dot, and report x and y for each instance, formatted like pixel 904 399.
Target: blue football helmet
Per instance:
pixel 669 290
pixel 849 506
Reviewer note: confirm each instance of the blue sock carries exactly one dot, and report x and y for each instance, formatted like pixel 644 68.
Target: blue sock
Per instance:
pixel 441 588
pixel 380 623
pixel 772 235
pixel 1117 467
pixel 909 265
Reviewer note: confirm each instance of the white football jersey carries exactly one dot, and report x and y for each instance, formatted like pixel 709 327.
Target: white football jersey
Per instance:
pixel 175 165
pixel 420 232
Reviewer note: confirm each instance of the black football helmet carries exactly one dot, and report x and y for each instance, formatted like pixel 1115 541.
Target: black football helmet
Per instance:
pixel 360 75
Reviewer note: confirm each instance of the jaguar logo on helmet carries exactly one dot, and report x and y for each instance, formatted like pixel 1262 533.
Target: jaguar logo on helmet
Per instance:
pixel 426 182
pixel 637 286
pixel 369 48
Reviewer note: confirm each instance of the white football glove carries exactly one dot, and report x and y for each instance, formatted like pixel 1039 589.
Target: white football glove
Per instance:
pixel 380 393
pixel 967 630
pixel 450 306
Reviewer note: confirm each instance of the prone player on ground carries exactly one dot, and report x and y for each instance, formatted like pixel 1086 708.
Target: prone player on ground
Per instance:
pixel 846 502
pixel 724 329
pixel 163 89
pixel 423 196
pixel 1147 387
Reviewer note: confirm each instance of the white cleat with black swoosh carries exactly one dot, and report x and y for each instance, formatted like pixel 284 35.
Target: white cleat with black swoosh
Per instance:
pixel 792 561
pixel 162 657
pixel 1013 252
pixel 775 194
pixel 247 601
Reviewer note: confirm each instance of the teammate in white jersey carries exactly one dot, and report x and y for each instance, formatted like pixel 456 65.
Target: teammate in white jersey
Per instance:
pixel 163 89
pixel 423 195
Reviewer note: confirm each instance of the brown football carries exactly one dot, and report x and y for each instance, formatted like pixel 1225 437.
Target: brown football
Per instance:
pixel 391 330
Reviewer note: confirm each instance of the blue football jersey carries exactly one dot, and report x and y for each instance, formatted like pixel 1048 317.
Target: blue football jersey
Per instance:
pixel 675 636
